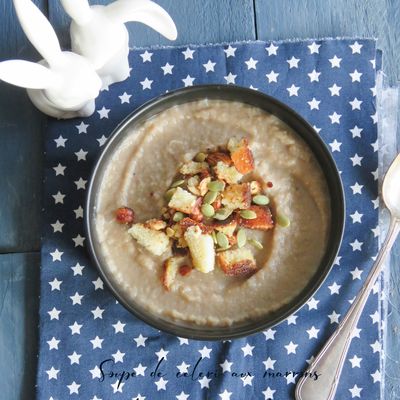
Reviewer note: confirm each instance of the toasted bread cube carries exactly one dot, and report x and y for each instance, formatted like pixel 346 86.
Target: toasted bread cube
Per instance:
pixel 255 187
pixel 201 248
pixel 237 195
pixel 239 262
pixel 193 184
pixel 262 222
pixel 156 224
pixel 226 173
pixel 156 242
pixel 182 201
pixel 241 155
pixel 202 187
pixel 228 228
pixel 218 156
pixel 185 223
pixel 171 268
pixel 178 235
pixel 193 168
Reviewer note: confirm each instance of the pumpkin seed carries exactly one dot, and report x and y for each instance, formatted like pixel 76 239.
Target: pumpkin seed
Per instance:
pixel 169 193
pixel 210 197
pixel 241 238
pixel 248 214
pixel 177 183
pixel 200 157
pixel 207 210
pixel 216 186
pixel 282 220
pixel 261 200
pixel 256 244
pixel 223 213
pixel 178 216
pixel 222 240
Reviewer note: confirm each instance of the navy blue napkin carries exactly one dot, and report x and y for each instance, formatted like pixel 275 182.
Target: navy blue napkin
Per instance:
pixel 92 348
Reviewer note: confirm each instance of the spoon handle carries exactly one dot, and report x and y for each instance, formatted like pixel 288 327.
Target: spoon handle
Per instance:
pixel 329 361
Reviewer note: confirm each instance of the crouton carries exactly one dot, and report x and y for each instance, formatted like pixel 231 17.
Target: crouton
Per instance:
pixel 255 187
pixel 239 262
pixel 226 173
pixel 216 157
pixel 237 196
pixel 227 228
pixel 201 248
pixel 193 168
pixel 182 201
pixel 262 222
pixel 241 155
pixel 202 187
pixel 156 224
pixel 196 213
pixel 170 269
pixel 156 242
pixel 193 184
pixel 185 223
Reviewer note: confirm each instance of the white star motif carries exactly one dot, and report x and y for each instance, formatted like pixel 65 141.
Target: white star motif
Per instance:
pixel 269 334
pixel 356 217
pixel 167 69
pixel 334 317
pixel 335 145
pixel 209 66
pixel 204 382
pixel 59 169
pixel 251 63
pixel 146 84
pixel 314 76
pixel 355 48
pixel 226 366
pixel 355 104
pixel 98 284
pixel 272 77
pixel 268 393
pixel 312 332
pixel 293 62
pixel 291 320
pixel 335 118
pixel 355 76
pixel 355 362
pixel 117 386
pixel 75 328
pixel 375 317
pixel 375 174
pixel 56 255
pixel 73 388
pixel 97 313
pixel 269 363
pixel 293 90
pixel 374 118
pixel 225 395
pixel 188 53
pixel 82 127
pixel 335 62
pixel 119 327
pixel 97 343
pixel 76 298
pixel 183 368
pixel 334 288
pixel 335 90
pixel 78 240
pixel 375 146
pixel 146 56
pixel 356 188
pixel 53 343
pixel 141 341
pixel 52 373
pixel 182 341
pixel 312 304
pixel 314 48
pixel 356 160
pixel 54 314
pixel 376 376
pixel 356 245
pixel 78 212
pixel 78 268
pixel 139 397
pixel 118 357
pixel 291 348
pixel 205 352
pixel 140 369
pixel 356 273
pixel 161 354
pixel 272 49
pixel 337 260
pixel 81 155
pixel 161 384
pixel 58 198
pixel 60 141
pixel 96 373
pixel 314 104
pixel 74 358
pixel 182 396
pixel 103 113
pixel 102 140
pixel 356 131
pixel 57 226
pixel 376 346
pixel 230 78
pixel 125 98
pixel 376 231
pixel 355 391
pixel 55 284
pixel 188 81
pixel 290 379
pixel 373 63
pixel 80 184
pixel 247 350
pixel 310 360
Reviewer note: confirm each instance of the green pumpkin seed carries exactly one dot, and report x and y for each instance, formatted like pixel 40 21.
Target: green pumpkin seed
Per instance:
pixel 222 240
pixel 177 183
pixel 207 210
pixel 200 157
pixel 261 200
pixel 178 216
pixel 256 244
pixel 222 214
pixel 210 197
pixel 282 220
pixel 248 214
pixel 216 186
pixel 241 238
pixel 169 193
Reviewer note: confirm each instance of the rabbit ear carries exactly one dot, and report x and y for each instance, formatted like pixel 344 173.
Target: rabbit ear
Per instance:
pixel 38 30
pixel 144 11
pixel 26 74
pixel 78 10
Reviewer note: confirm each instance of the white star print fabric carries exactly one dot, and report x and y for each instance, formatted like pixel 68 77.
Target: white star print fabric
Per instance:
pixel 92 348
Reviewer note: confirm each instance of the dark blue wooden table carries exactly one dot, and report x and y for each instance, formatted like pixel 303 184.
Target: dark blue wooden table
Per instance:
pixel 21 135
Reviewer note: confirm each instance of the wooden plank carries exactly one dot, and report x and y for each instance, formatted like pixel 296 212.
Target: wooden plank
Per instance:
pixel 284 19
pixel 21 127
pixel 198 21
pixel 19 305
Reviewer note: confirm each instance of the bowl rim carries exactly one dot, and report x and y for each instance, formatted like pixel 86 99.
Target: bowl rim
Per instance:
pixel 290 117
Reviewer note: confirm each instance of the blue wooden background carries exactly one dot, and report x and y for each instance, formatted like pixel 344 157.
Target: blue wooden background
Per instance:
pixel 21 128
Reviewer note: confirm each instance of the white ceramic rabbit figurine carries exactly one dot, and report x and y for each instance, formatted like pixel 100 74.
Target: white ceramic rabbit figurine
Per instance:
pixel 64 84
pixel 99 34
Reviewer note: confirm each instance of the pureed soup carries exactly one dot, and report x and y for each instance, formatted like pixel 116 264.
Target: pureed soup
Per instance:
pixel 212 213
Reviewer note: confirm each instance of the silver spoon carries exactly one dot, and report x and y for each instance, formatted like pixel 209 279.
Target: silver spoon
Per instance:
pixel 329 361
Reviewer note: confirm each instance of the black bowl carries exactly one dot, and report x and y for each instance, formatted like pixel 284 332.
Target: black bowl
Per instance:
pixel 288 116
